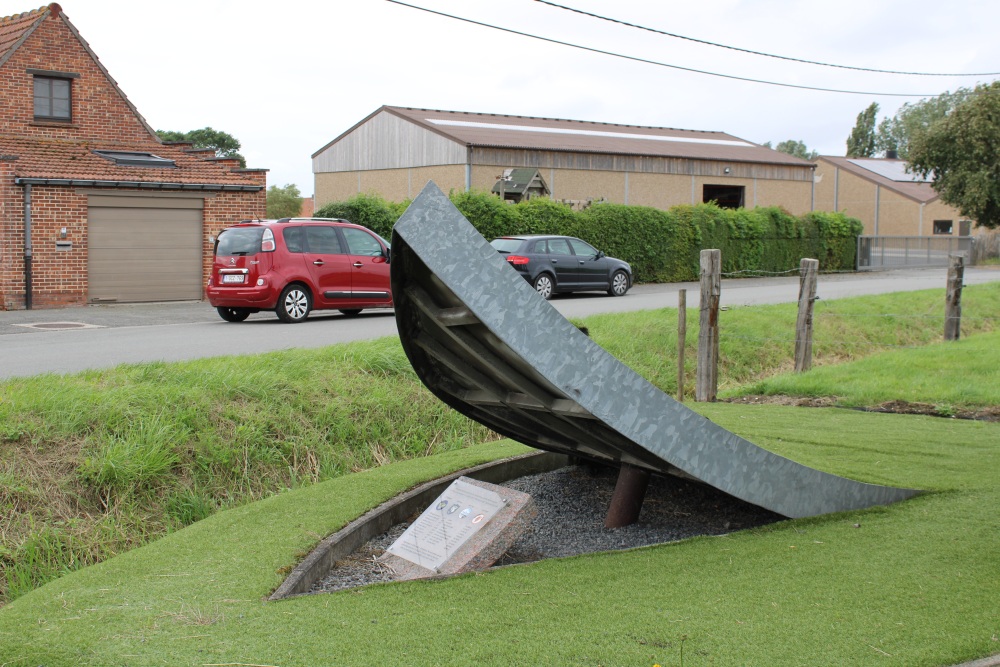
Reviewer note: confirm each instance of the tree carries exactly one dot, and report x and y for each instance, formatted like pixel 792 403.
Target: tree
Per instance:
pixel 796 148
pixel 283 202
pixel 895 134
pixel 961 152
pixel 861 143
pixel 224 144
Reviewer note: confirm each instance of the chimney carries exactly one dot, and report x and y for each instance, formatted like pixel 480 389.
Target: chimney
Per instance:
pixel 891 155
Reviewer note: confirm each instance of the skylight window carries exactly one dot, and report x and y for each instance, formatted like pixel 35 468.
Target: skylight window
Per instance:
pixel 134 159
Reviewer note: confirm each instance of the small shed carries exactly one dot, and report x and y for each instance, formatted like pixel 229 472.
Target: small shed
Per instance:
pixel 519 184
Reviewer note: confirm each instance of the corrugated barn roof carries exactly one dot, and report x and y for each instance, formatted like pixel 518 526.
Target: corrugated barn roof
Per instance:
pixel 551 134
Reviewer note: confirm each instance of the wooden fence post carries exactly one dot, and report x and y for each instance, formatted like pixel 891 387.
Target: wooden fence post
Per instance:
pixel 808 269
pixel 953 297
pixel 681 340
pixel 706 384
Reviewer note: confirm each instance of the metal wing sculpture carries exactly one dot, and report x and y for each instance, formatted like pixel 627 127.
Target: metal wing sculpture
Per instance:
pixel 485 343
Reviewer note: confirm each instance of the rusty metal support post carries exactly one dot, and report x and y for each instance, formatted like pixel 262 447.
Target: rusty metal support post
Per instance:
pixel 626 502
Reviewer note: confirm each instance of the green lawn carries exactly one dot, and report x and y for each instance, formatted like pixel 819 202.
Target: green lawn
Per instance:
pixel 911 584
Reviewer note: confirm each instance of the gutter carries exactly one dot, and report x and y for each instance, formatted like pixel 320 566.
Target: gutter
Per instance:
pixel 27 246
pixel 79 182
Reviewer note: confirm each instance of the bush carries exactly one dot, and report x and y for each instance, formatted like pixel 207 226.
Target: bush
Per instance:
pixel 661 246
pixel 488 214
pixel 368 210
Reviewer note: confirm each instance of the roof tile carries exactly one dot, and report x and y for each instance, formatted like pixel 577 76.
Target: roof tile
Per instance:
pixel 65 159
pixel 13 27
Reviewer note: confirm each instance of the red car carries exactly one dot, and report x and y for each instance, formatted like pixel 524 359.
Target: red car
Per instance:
pixel 295 265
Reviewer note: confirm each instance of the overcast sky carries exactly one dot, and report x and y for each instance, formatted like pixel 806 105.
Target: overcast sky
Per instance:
pixel 285 78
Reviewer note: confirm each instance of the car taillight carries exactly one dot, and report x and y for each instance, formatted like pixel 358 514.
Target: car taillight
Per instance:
pixel 517 260
pixel 267 241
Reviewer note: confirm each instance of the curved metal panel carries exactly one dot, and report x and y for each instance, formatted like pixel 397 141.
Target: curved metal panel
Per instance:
pixel 486 344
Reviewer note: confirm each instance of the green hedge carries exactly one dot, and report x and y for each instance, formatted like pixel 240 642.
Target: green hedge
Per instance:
pixel 369 210
pixel 661 246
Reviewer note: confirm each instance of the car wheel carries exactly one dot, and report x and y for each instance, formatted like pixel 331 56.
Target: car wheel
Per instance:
pixel 351 312
pixel 543 285
pixel 233 314
pixel 619 284
pixel 293 304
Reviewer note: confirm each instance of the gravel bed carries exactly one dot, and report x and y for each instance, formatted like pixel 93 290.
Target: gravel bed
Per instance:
pixel 572 503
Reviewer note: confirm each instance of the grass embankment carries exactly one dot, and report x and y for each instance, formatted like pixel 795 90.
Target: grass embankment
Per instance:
pixel 911 584
pixel 96 463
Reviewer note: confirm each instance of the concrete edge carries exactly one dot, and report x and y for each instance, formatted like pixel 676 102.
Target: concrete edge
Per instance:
pixel 342 543
pixel 991 661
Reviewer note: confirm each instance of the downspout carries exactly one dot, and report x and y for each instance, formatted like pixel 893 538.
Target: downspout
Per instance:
pixel 468 168
pixel 812 190
pixel 27 246
pixel 878 193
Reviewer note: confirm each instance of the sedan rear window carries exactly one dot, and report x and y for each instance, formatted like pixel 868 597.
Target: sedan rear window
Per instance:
pixel 506 245
pixel 239 241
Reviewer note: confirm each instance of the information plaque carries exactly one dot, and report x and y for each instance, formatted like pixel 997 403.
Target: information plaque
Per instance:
pixel 444 527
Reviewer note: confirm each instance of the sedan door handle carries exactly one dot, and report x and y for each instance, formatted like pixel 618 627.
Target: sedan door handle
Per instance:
pixel 318 262
pixel 357 265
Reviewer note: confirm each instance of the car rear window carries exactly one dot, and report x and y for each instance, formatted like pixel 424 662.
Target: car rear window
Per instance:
pixel 506 245
pixel 239 241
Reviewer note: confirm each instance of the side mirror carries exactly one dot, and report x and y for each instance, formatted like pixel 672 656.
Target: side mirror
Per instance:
pixel 600 255
pixel 387 254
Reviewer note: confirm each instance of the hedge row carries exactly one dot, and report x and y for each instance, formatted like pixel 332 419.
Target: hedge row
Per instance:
pixel 661 246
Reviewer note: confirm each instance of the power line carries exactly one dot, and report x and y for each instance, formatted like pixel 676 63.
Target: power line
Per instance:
pixel 757 53
pixel 658 63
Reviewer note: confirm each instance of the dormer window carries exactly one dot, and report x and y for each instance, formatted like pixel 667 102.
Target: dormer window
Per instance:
pixel 54 98
pixel 136 159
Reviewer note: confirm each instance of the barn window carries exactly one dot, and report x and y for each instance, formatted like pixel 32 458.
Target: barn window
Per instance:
pixel 724 196
pixel 942 227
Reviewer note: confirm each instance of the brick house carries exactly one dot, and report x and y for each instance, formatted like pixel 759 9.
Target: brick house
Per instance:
pixel 93 206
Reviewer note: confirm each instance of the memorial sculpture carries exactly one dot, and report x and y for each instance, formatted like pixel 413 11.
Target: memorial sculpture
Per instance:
pixel 486 344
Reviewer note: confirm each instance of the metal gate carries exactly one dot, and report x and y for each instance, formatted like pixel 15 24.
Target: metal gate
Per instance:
pixel 890 252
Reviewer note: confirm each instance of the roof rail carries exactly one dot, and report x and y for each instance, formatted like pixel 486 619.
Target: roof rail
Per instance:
pixel 314 219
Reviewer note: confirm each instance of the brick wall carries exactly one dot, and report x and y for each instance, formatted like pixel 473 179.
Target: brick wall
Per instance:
pixel 11 239
pixel 59 278
pixel 99 109
pixel 227 209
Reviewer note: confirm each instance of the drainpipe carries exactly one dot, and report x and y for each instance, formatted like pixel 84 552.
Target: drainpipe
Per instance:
pixel 468 168
pixel 878 193
pixel 27 246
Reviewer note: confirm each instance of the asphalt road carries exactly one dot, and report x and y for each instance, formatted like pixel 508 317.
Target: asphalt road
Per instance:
pixel 102 336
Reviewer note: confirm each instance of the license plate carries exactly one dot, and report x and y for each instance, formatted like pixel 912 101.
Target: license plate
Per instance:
pixel 230 278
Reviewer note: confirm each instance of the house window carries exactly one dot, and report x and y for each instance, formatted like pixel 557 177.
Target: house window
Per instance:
pixel 724 196
pixel 942 226
pixel 53 98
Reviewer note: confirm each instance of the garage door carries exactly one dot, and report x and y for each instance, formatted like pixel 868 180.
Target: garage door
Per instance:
pixel 144 249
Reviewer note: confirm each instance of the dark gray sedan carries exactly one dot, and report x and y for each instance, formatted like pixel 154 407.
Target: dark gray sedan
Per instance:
pixel 555 264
